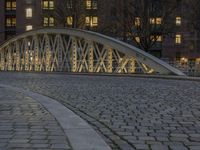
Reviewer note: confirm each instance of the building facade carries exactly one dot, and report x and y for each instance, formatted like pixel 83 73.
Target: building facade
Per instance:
pixel 19 16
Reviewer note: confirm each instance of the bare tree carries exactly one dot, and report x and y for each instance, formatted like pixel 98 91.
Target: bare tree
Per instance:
pixel 71 11
pixel 146 21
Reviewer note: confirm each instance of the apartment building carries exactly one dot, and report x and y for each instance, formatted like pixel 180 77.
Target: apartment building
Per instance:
pixel 19 16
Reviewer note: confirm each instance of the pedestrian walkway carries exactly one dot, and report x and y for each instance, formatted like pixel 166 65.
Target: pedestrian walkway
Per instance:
pixel 30 121
pixel 27 125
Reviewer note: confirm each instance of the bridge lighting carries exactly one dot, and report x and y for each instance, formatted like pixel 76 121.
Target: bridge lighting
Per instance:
pixel 74 50
pixel 184 60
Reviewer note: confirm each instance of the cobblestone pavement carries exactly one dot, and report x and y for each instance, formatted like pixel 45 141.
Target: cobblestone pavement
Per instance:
pixel 26 125
pixel 129 113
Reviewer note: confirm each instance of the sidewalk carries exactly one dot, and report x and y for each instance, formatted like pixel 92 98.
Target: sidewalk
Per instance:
pixel 26 124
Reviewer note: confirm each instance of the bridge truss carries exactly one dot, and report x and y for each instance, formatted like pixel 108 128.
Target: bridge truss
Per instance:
pixel 72 50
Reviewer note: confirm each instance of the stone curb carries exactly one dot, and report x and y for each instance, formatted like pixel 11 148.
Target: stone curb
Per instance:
pixel 79 133
pixel 171 77
pixel 167 77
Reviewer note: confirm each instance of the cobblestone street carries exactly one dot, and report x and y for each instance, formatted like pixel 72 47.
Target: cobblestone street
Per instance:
pixel 128 112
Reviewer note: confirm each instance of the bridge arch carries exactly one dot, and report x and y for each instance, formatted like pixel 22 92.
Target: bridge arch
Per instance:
pixel 74 50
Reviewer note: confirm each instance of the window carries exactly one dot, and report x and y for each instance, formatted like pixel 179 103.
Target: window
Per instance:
pixel 91 21
pixel 178 21
pixel 29 27
pixel 94 21
pixel 51 4
pixel 156 21
pixel 157 38
pixel 94 4
pixel 137 21
pixel 10 22
pixel 29 13
pixel 51 21
pixel 69 20
pixel 45 4
pixel 91 4
pixel 48 4
pixel 88 4
pixel 178 39
pixel 48 21
pixel 87 21
pixel 28 1
pixel 137 39
pixel 11 5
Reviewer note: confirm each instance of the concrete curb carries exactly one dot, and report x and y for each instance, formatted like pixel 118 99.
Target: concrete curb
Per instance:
pixel 79 133
pixel 167 77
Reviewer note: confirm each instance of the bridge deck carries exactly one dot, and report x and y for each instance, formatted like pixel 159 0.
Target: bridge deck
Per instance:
pixel 129 113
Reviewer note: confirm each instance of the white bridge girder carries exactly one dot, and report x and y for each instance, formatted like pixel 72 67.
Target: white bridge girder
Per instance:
pixel 72 50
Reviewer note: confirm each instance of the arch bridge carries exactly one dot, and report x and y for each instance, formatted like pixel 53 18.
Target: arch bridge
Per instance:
pixel 74 50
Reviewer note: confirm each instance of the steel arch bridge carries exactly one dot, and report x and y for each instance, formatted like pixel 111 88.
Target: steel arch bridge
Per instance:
pixel 74 50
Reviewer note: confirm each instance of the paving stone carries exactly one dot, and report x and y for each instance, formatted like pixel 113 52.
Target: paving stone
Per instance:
pixel 159 147
pixel 194 147
pixel 178 147
pixel 60 146
pixel 25 120
pixel 141 146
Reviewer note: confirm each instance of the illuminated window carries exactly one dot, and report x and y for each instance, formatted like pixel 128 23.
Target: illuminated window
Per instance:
pixel 29 27
pixel 8 5
pixel 157 38
pixel 48 21
pixel 156 21
pixel 88 4
pixel 178 39
pixel 91 4
pixel 11 5
pixel 51 21
pixel 137 21
pixel 137 39
pixel 69 20
pixel 91 21
pixel 29 13
pixel 87 21
pixel 178 21
pixel 48 4
pixel 51 4
pixel 45 4
pixel 10 22
pixel 94 21
pixel 152 20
